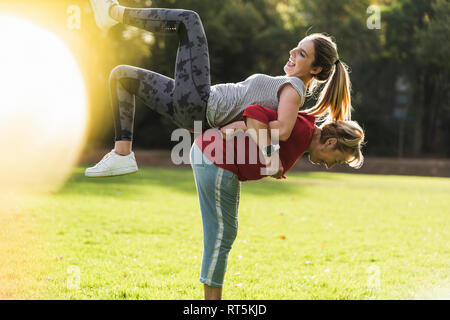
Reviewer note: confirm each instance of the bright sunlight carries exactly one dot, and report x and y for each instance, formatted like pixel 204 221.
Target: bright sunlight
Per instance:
pixel 42 109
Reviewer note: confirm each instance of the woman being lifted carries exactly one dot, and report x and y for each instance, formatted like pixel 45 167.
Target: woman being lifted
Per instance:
pixel 189 96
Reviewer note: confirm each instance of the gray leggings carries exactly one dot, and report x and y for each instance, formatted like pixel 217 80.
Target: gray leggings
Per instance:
pixel 182 99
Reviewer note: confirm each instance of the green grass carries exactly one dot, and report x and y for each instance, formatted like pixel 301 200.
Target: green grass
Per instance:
pixel 312 236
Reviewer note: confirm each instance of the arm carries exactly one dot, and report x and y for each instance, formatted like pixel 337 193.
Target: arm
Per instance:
pixel 263 140
pixel 230 128
pixel 258 117
pixel 259 133
pixel 288 106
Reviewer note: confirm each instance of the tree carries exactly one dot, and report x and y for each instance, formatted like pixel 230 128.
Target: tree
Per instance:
pixel 255 36
pixel 415 31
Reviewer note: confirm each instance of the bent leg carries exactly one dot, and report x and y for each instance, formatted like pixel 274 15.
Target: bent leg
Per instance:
pixel 127 82
pixel 192 70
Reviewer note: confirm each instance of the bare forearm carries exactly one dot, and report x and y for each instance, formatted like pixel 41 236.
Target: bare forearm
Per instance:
pixel 229 130
pixel 258 132
pixel 263 136
pixel 235 125
pixel 276 129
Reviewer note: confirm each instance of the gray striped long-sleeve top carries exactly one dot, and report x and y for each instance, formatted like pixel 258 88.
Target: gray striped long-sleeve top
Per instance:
pixel 227 101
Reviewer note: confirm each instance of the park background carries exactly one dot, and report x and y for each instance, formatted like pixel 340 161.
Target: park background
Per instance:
pixel 399 66
pixel 368 224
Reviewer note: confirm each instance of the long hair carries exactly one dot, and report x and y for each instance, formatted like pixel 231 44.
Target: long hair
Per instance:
pixel 334 102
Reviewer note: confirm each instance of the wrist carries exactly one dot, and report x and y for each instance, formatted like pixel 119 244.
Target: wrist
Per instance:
pixel 270 149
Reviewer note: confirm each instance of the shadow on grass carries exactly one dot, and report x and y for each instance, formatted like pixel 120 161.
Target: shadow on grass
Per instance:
pixel 168 179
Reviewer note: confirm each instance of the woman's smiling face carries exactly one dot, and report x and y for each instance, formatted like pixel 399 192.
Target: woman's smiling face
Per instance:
pixel 301 60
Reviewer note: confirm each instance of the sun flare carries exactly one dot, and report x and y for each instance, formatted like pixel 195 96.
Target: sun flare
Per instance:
pixel 42 108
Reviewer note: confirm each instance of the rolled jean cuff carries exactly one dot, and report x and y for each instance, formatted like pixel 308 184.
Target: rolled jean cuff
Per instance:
pixel 210 283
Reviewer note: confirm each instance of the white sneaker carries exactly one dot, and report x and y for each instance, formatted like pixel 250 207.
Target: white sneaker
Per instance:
pixel 101 13
pixel 113 164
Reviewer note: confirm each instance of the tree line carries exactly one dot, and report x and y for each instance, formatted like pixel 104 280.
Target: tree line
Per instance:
pixel 398 52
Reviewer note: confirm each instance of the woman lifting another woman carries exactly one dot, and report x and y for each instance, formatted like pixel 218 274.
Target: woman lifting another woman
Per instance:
pixel 189 96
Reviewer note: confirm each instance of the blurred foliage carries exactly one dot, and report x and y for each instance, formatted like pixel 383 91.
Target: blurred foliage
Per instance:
pixel 255 36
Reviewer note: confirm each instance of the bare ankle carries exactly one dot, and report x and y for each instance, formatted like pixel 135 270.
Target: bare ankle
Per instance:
pixel 122 147
pixel 121 153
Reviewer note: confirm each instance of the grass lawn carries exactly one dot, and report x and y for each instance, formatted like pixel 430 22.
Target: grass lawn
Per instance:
pixel 312 236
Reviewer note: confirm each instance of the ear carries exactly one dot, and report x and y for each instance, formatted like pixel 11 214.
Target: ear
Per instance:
pixel 331 142
pixel 316 71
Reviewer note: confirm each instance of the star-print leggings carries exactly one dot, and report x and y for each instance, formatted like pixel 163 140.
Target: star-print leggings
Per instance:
pixel 183 98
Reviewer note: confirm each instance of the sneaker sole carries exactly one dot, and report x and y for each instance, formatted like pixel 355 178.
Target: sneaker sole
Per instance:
pixel 96 17
pixel 121 172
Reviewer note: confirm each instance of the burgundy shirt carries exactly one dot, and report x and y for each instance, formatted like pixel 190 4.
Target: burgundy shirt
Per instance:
pixel 216 148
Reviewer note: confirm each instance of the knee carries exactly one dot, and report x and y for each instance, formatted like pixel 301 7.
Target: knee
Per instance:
pixel 229 238
pixel 118 72
pixel 190 15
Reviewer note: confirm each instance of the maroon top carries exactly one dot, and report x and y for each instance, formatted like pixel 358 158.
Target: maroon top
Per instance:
pixel 216 149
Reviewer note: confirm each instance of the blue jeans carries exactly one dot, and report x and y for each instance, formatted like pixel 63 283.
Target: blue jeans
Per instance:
pixel 218 193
